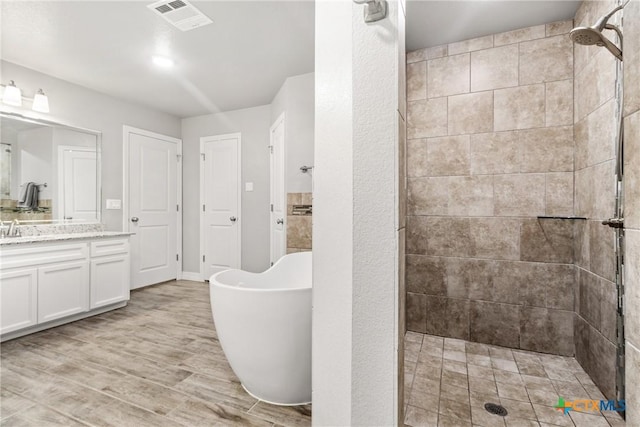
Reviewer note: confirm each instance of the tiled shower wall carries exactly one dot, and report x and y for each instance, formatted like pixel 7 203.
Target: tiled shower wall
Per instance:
pixel 631 110
pixel 595 134
pixel 298 226
pixel 490 148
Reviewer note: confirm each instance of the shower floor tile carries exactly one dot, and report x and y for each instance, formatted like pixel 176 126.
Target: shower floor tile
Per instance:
pixel 155 362
pixel 449 381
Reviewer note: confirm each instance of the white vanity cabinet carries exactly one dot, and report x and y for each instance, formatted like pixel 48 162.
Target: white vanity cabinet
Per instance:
pixel 46 284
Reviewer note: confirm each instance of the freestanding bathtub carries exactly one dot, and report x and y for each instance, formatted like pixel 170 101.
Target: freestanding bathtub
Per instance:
pixel 263 323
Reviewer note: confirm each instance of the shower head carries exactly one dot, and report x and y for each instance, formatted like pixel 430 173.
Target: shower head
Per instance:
pixel 593 35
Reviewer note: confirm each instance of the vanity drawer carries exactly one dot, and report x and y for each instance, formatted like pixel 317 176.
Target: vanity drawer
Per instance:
pixel 42 254
pixel 109 247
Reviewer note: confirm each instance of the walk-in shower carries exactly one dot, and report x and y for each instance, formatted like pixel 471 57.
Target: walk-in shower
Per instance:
pixel 593 36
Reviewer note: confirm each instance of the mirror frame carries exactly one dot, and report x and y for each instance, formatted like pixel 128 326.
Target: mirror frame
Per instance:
pixel 97 134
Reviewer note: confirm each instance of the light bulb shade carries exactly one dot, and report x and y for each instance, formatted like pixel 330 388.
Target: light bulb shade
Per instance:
pixel 40 102
pixel 12 95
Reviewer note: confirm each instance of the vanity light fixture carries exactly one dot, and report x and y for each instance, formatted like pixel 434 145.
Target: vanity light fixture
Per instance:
pixel 40 102
pixel 12 95
pixel 163 61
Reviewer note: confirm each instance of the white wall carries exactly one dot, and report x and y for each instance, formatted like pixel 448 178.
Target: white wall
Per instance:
pixel 81 107
pixel 355 259
pixel 253 124
pixel 296 99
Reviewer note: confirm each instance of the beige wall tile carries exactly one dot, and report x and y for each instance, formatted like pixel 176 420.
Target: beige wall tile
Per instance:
pixel 428 196
pixel 416 312
pixel 519 195
pixel 584 192
pixel 496 238
pixel 519 108
pixel 559 27
pixel 448 155
pixel 417 56
pixel 494 323
pixel 402 172
pixel 448 75
pixel 426 275
pixel 437 51
pixel 299 231
pixel 601 250
pixel 449 236
pixel 546 240
pixel 559 103
pixel 470 196
pixel 632 381
pixel 546 60
pixel 632 171
pixel 559 194
pixel 590 92
pixel 588 13
pixel 417 235
pixel 600 134
pixel 417 158
pixel 520 35
pixel 495 153
pixel 417 81
pixel 547 149
pixel 632 287
pixel 547 331
pixel 471 113
pixel 603 190
pixel 631 57
pixel 471 45
pixel 427 118
pixel 494 68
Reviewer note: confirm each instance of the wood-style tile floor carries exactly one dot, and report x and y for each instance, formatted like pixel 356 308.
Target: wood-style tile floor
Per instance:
pixel 448 381
pixel 156 362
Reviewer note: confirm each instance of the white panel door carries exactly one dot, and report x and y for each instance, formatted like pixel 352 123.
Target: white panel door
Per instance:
pixel 278 227
pixel 153 216
pixel 63 290
pixel 18 299
pixel 220 199
pixel 79 185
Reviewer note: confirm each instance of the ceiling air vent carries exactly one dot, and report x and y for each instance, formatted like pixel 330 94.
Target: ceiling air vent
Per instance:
pixel 180 13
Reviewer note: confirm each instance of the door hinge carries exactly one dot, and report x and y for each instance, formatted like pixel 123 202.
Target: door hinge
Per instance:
pixel 271 149
pixel 203 156
pixel 178 156
pixel 203 258
pixel 271 207
pixel 177 208
pixel 203 208
pixel 177 257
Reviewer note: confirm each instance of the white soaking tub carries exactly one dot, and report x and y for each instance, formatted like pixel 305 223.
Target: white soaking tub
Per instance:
pixel 263 323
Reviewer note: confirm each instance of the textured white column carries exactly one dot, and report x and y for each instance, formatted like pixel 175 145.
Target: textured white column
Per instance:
pixel 355 217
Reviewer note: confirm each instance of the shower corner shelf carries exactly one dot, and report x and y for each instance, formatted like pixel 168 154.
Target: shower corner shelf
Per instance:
pixel 582 218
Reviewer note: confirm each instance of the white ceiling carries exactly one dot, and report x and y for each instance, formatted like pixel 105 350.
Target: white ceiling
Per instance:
pixel 239 61
pixel 432 23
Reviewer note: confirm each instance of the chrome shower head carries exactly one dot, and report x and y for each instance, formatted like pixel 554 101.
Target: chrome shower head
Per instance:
pixel 586 36
pixel 593 35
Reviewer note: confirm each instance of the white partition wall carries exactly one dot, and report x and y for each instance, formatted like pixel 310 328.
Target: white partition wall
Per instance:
pixel 355 255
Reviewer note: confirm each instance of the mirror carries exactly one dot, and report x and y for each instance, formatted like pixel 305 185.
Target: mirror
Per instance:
pixel 49 172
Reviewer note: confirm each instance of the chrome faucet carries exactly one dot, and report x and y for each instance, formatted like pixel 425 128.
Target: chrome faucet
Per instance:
pixel 14 231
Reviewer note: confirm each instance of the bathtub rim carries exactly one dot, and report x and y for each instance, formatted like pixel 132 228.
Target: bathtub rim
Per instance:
pixel 213 280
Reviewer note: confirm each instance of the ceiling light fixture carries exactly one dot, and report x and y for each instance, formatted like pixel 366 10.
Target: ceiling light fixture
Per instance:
pixel 40 102
pixel 163 61
pixel 12 95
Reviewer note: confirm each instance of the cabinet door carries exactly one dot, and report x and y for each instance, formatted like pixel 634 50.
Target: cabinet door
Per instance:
pixel 63 290
pixel 109 280
pixel 18 299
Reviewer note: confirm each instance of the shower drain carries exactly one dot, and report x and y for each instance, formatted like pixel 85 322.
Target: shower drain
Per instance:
pixel 496 409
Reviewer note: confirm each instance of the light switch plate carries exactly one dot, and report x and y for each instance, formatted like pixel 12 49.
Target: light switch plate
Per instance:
pixel 114 204
pixel 248 186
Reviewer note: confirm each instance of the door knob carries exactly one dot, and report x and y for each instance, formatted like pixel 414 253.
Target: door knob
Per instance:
pixel 135 219
pixel 233 219
pixel 280 221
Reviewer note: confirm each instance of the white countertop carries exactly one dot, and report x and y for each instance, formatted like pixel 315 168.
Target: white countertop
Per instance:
pixel 6 241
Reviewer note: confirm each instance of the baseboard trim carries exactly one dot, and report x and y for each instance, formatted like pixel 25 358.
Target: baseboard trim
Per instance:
pixel 189 275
